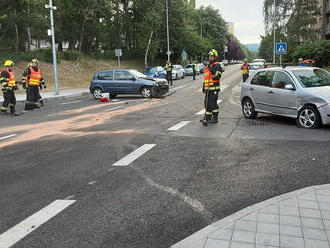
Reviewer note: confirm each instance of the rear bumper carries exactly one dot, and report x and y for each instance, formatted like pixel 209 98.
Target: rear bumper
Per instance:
pixel 325 114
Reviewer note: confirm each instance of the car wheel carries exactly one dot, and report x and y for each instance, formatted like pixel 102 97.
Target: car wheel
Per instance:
pixel 97 93
pixel 309 117
pixel 183 76
pixel 176 77
pixel 146 92
pixel 113 95
pixel 249 109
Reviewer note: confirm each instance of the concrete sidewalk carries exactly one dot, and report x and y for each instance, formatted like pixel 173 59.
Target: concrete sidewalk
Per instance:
pixel 295 220
pixel 49 96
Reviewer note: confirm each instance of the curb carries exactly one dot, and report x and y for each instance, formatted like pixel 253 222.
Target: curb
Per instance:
pixel 198 239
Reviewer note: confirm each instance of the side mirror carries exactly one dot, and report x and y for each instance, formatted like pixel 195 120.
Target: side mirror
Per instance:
pixel 289 87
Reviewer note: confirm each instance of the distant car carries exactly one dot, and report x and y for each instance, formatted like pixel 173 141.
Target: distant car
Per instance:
pixel 126 82
pixel 200 67
pixel 188 70
pixel 225 62
pixel 302 93
pixel 223 66
pixel 256 66
pixel 177 72
pixel 259 61
pixel 155 72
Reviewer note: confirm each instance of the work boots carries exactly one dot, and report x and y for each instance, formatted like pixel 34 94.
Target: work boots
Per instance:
pixel 13 112
pixel 4 112
pixel 214 119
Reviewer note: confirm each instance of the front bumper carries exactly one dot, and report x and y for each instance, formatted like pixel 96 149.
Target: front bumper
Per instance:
pixel 325 114
pixel 160 90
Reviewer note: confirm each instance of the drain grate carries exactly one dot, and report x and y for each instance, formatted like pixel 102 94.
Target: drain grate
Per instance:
pixel 260 123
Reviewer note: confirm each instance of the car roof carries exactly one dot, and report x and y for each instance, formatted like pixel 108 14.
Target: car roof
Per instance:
pixel 256 63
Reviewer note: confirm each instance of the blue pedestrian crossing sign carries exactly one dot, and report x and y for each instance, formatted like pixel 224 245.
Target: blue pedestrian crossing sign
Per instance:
pixel 281 48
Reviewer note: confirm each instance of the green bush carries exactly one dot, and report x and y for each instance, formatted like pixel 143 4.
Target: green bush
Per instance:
pixel 70 55
pixel 43 55
pixel 317 50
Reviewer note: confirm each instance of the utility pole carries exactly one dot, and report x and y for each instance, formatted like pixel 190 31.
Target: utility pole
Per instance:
pixel 201 27
pixel 274 29
pixel 52 8
pixel 168 34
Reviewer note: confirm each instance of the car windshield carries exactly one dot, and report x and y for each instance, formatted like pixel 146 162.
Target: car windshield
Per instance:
pixel 137 74
pixel 256 67
pixel 188 66
pixel 151 70
pixel 313 78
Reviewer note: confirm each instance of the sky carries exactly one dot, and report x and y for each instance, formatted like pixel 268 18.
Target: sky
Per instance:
pixel 246 14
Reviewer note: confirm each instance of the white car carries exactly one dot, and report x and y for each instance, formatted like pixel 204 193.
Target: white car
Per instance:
pixel 222 66
pixel 259 61
pixel 177 72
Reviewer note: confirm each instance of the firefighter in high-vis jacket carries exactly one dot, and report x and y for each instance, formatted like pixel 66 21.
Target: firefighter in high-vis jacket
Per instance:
pixel 211 88
pixel 8 86
pixel 169 68
pixel 245 70
pixel 34 82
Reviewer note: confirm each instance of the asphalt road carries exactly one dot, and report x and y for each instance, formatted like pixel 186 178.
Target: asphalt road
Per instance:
pixel 182 181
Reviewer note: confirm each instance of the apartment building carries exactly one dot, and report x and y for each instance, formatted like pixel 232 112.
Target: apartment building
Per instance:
pixel 324 20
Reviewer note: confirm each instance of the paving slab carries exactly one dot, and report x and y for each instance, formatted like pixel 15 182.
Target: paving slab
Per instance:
pixel 299 219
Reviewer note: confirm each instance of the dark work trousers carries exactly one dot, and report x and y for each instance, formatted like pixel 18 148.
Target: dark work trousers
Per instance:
pixel 245 77
pixel 194 74
pixel 211 104
pixel 9 100
pixel 33 97
pixel 169 77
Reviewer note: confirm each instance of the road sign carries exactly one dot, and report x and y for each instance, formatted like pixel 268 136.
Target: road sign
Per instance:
pixel 226 49
pixel 281 48
pixel 184 55
pixel 118 52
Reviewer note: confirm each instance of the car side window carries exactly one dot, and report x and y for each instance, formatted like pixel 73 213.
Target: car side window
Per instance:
pixel 263 78
pixel 107 75
pixel 123 75
pixel 281 79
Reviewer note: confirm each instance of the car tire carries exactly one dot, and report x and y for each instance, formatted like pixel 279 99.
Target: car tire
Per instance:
pixel 146 92
pixel 309 117
pixel 176 77
pixel 249 109
pixel 113 95
pixel 183 76
pixel 97 92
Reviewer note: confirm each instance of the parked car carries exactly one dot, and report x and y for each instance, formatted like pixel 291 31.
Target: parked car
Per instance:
pixel 126 82
pixel 177 72
pixel 200 68
pixel 188 70
pixel 256 66
pixel 259 61
pixel 225 62
pixel 302 93
pixel 155 71
pixel 223 66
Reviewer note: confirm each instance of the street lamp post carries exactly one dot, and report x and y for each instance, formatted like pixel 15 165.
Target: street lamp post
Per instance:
pixel 52 8
pixel 274 29
pixel 168 33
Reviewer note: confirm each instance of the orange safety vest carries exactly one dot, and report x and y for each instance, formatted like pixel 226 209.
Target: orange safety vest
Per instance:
pixel 12 81
pixel 245 69
pixel 209 82
pixel 35 77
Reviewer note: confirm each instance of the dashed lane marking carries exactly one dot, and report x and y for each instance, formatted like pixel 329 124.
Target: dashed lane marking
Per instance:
pixel 178 126
pixel 18 232
pixel 72 102
pixel 8 136
pixel 203 110
pixel 114 108
pixel 179 87
pixel 134 155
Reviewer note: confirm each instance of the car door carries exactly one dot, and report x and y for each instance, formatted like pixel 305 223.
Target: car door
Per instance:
pixel 260 88
pixel 284 100
pixel 105 79
pixel 125 82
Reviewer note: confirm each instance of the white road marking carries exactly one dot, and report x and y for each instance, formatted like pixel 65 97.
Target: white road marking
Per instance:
pixel 179 87
pixel 178 126
pixel 67 103
pixel 203 110
pixel 91 183
pixel 114 108
pixel 70 197
pixel 18 232
pixel 114 100
pixel 8 136
pixel 134 155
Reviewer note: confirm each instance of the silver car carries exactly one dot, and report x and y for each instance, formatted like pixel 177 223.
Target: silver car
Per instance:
pixel 302 93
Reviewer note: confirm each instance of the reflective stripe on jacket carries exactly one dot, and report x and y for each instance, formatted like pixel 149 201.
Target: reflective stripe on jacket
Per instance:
pixel 209 82
pixel 245 69
pixel 35 77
